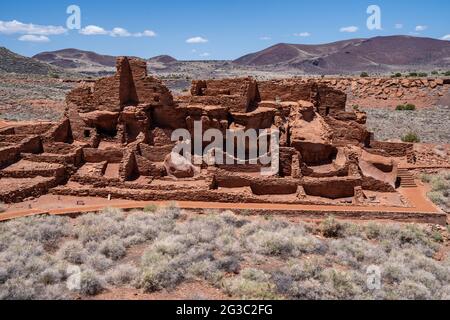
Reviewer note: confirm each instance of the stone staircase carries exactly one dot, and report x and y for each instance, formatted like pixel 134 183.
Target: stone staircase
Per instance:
pixel 406 179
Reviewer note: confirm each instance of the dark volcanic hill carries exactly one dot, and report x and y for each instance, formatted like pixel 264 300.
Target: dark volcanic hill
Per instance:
pixel 375 54
pixel 76 59
pixel 11 62
pixel 165 59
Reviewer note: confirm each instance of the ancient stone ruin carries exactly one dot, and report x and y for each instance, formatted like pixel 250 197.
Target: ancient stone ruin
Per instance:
pixel 115 141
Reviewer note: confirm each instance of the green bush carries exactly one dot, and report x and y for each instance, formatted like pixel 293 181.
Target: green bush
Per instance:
pixel 397 75
pixel 331 228
pixel 151 208
pixel 413 74
pixel 436 197
pixel 364 75
pixel 423 74
pixel 53 75
pixel 439 184
pixel 426 177
pixel 447 74
pixel 406 107
pixel 90 283
pixel 250 284
pixel 411 138
pixel 435 73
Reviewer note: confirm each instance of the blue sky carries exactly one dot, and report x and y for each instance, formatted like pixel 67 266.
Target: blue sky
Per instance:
pixel 217 29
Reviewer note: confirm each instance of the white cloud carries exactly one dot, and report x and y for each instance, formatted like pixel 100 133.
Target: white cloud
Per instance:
pixel 196 40
pixel 421 28
pixel 115 32
pixel 302 34
pixel 92 30
pixel 34 38
pixel 350 29
pixel 120 32
pixel 446 37
pixel 14 27
pixel 148 33
pixel 205 54
pixel 265 38
pixel 398 26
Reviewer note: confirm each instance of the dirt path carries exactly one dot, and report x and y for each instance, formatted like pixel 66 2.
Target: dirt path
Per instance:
pixel 421 206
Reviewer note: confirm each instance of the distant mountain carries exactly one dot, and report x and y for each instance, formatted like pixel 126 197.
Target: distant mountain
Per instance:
pixel 375 54
pixel 11 62
pixel 76 59
pixel 165 59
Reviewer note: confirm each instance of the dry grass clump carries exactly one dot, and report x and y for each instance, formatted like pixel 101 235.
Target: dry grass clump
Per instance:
pixel 122 275
pixel 440 188
pixel 250 284
pixel 28 270
pixel 244 258
pixel 90 283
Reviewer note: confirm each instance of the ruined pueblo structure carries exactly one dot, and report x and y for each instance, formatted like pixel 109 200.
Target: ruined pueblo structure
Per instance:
pixel 115 141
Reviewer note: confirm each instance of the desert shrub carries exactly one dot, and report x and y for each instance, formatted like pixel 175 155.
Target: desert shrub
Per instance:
pixel 90 283
pixel 250 284
pixel 412 234
pixel 228 244
pixel 435 72
pixel 355 107
pixel 426 177
pixel 202 229
pixel 52 275
pixel 447 74
pixel 307 269
pixel 439 184
pixel 423 74
pixel 233 220
pixel 437 237
pixel 229 264
pixel 331 228
pixel 73 252
pixel 96 228
pixel 139 227
pixel 413 74
pixel 205 269
pixel 113 248
pixel 99 262
pixel 411 138
pixel 427 279
pixel 436 197
pixel 17 289
pixel 291 241
pixel 160 276
pixel 410 290
pixel 310 289
pixel 364 75
pixel 121 275
pixel 406 107
pixel 53 75
pixel 394 272
pixel 356 252
pixel 42 229
pixel 397 75
pixel 342 284
pixel 151 208
pixel 172 211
